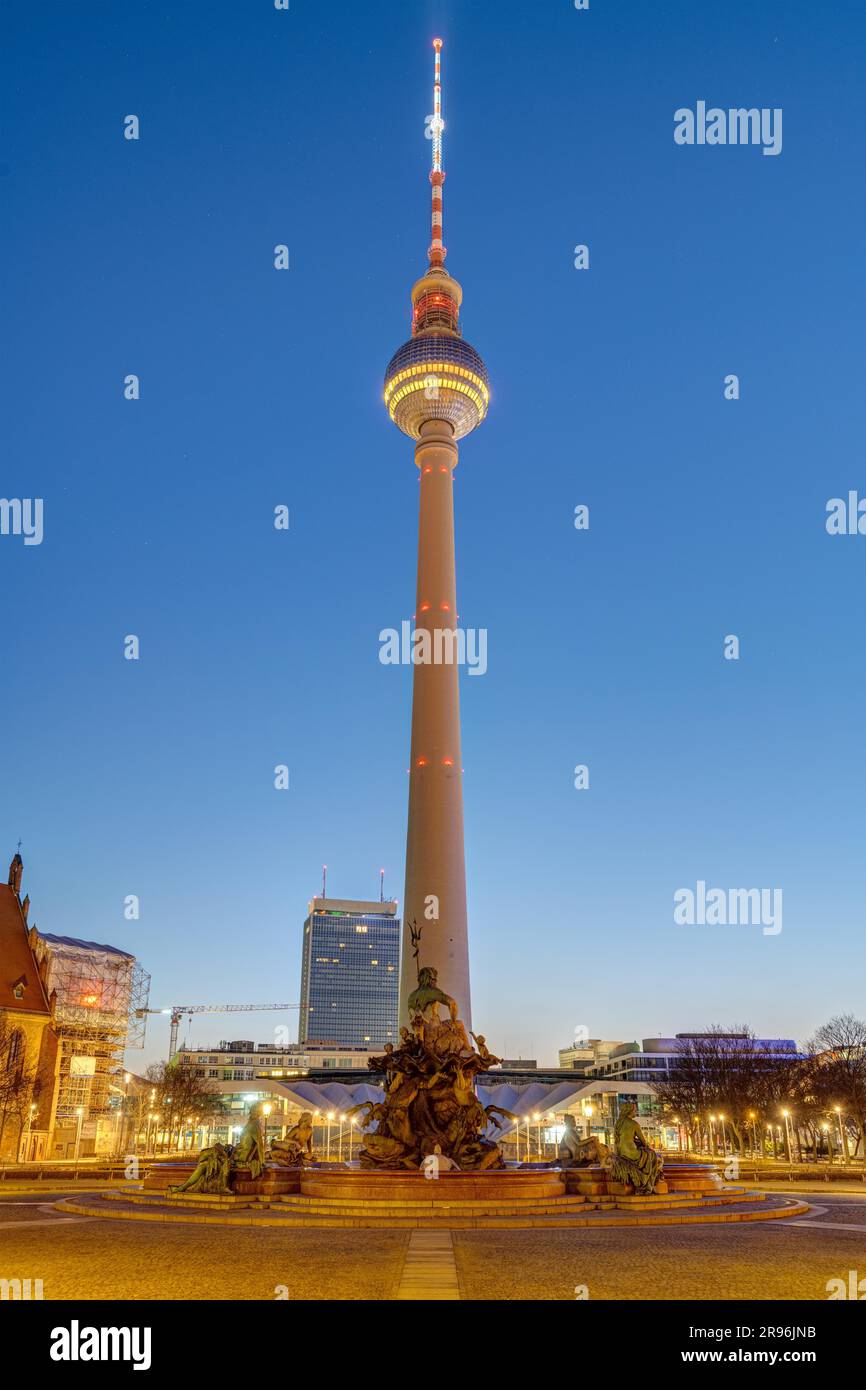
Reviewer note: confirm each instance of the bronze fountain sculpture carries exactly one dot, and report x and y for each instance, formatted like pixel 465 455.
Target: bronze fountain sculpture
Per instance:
pixel 217 1163
pixel 633 1159
pixel 429 1105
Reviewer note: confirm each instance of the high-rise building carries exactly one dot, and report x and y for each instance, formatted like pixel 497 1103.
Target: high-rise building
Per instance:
pixel 436 391
pixel 350 973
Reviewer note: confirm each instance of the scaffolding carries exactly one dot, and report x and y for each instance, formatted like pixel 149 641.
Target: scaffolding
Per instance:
pixel 101 997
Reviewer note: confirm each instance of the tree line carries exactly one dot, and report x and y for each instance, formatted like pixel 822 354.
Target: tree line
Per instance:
pixel 726 1083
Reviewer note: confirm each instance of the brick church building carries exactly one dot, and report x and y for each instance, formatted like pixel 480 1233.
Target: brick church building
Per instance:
pixel 29 1054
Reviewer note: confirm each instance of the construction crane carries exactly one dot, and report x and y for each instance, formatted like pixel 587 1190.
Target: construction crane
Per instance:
pixel 177 1012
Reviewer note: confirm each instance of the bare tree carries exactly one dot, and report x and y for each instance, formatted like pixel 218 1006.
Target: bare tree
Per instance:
pixel 837 1073
pixel 730 1073
pixel 181 1099
pixel 19 1086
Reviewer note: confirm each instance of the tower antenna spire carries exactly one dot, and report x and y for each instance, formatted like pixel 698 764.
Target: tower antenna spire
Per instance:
pixel 437 251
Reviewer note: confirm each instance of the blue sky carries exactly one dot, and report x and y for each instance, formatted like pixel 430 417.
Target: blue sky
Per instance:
pixel 258 387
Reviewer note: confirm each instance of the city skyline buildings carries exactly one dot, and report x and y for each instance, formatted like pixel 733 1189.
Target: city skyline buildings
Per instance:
pixel 707 516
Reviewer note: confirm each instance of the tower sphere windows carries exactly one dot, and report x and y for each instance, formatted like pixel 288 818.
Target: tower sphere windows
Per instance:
pixel 437 378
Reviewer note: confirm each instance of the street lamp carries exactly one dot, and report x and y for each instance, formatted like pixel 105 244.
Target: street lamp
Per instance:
pixel 786 1113
pixel 80 1113
pixel 352 1125
pixel 825 1130
pixel 266 1110
pixel 843 1136
pixel 588 1113
pixel 26 1132
pixel 122 1130
pixel 712 1135
pixel 330 1122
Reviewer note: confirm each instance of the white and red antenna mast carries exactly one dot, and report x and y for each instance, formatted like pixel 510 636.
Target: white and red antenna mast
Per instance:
pixel 437 176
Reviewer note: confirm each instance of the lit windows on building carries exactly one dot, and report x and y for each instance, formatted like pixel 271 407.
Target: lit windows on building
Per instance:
pixel 349 974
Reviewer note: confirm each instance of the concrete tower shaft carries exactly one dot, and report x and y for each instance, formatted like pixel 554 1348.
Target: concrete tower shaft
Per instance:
pixel 435 863
pixel 436 392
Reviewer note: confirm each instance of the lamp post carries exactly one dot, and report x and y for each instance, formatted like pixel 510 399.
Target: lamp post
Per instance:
pixel 537 1119
pixel 122 1130
pixel 785 1114
pixel 26 1132
pixel 352 1124
pixel 754 1135
pixel 266 1110
pixel 712 1136
pixel 588 1113
pixel 825 1130
pixel 723 1136
pixel 330 1121
pixel 80 1113
pixel 842 1135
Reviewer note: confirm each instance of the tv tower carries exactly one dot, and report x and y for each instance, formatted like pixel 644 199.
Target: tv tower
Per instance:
pixel 436 391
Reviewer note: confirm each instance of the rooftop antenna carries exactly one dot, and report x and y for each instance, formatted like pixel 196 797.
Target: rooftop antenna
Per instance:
pixel 381 885
pixel 324 880
pixel 436 126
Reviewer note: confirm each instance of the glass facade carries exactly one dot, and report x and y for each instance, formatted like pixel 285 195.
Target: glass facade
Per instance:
pixel 350 977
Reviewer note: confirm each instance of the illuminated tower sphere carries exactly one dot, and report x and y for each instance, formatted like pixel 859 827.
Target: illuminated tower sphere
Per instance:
pixel 436 391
